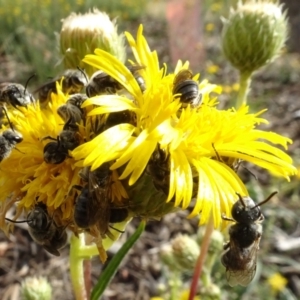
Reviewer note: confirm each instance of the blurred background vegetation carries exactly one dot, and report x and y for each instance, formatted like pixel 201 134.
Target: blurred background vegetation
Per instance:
pixel 29 28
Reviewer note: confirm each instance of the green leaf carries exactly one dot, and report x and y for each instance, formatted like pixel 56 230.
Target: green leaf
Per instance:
pixel 113 265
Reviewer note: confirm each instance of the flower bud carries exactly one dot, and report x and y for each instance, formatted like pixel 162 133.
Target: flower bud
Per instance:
pixel 185 251
pixel 81 34
pixel 254 34
pixel 36 288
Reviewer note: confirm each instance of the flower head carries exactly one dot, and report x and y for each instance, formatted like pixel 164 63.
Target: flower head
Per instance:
pixel 25 176
pixel 196 148
pixel 254 34
pixel 83 33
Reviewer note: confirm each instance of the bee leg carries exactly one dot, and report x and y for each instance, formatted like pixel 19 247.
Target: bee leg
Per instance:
pixel 48 138
pixel 116 229
pixel 226 218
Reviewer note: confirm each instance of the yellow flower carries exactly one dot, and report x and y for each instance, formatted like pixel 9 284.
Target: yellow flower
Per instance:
pixel 203 144
pixel 25 176
pixel 277 282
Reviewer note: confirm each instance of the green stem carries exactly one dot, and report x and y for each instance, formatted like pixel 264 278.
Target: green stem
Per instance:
pixel 112 266
pixel 76 267
pixel 175 284
pixel 245 81
pixel 201 259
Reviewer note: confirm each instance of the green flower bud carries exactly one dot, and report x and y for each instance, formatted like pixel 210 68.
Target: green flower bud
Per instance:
pixel 253 34
pixel 36 288
pixel 81 34
pixel 167 257
pixel 146 201
pixel 185 251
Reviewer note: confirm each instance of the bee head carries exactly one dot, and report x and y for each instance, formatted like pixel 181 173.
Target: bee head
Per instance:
pixel 245 211
pixel 12 136
pixel 38 219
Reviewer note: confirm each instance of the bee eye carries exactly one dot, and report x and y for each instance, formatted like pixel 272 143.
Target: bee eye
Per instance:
pixel 18 139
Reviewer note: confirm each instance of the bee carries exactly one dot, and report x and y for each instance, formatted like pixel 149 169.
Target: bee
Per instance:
pixel 57 151
pixel 240 253
pixel 119 117
pixel 188 88
pixel 102 83
pixel 15 94
pixel 72 108
pixel 9 138
pixel 93 203
pixel 159 169
pixel 74 81
pixel 44 230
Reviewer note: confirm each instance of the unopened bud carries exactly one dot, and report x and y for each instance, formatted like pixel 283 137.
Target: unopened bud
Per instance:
pixel 81 34
pixel 254 34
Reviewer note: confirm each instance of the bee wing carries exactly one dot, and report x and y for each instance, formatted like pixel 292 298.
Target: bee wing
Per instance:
pixel 44 91
pixel 134 68
pixel 51 249
pixel 242 267
pixel 182 76
pixel 99 189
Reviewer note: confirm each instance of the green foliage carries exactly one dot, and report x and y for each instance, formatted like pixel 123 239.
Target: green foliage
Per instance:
pixel 28 30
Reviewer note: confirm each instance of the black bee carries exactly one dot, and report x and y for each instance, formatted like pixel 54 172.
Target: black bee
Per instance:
pixel 240 253
pixel 9 138
pixel 57 151
pixel 187 88
pixel 74 81
pixel 44 231
pixel 71 110
pixel 15 94
pixel 93 203
pixel 102 83
pixel 159 169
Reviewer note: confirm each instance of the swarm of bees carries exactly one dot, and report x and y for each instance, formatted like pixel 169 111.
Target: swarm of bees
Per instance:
pixel 240 253
pixel 94 210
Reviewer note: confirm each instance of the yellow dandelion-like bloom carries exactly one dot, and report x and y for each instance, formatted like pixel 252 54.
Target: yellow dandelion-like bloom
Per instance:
pixel 25 176
pixel 203 144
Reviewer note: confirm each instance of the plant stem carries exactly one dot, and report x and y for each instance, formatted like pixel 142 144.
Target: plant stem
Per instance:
pixel 201 259
pixel 76 267
pixel 245 81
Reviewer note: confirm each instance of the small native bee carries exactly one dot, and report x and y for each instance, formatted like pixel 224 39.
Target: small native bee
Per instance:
pixel 159 169
pixel 240 253
pixel 188 88
pixel 54 152
pixel 93 203
pixel 71 110
pixel 102 83
pixel 57 151
pixel 44 231
pixel 15 94
pixel 74 81
pixel 8 139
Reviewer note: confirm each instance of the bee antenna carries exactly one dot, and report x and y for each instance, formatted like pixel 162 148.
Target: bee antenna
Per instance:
pixel 10 220
pixel 241 199
pixel 6 114
pixel 217 154
pixel 26 84
pixel 266 200
pixel 84 74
